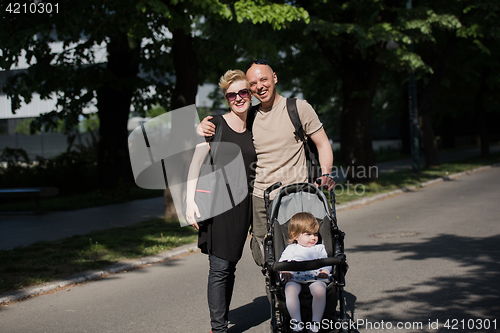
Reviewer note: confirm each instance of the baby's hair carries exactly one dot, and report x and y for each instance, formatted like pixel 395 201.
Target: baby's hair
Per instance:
pixel 301 223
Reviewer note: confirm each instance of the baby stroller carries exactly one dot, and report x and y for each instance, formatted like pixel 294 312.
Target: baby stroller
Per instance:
pixel 291 199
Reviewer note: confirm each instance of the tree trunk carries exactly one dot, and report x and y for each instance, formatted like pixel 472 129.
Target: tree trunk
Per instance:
pixel 404 124
pixel 425 118
pixel 360 77
pixel 186 88
pixel 113 103
pixel 186 70
pixel 447 133
pixel 480 113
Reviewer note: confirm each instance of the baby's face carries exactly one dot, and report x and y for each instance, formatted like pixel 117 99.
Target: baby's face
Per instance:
pixel 307 239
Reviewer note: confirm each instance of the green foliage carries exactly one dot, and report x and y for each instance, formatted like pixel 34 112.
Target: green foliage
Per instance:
pixel 310 44
pixel 155 111
pixel 90 123
pixel 475 54
pixel 23 127
pixel 277 15
pixel 75 74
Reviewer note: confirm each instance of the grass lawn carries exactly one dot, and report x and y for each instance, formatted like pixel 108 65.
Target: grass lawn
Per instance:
pixel 395 180
pixel 46 261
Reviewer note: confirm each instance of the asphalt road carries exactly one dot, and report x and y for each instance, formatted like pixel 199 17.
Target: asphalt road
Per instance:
pixel 417 258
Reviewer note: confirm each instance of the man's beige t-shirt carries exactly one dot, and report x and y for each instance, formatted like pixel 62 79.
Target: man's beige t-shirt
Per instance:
pixel 280 154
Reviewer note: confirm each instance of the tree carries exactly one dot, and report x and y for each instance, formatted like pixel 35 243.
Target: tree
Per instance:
pixel 141 57
pixel 480 36
pixel 349 40
pixel 77 78
pixel 462 58
pixel 147 42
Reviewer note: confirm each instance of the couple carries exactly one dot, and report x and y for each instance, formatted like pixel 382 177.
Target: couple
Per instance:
pixel 279 156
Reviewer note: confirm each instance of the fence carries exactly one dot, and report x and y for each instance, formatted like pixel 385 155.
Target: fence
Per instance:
pixel 46 145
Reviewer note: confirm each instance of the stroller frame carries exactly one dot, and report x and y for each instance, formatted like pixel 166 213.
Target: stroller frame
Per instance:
pixel 337 259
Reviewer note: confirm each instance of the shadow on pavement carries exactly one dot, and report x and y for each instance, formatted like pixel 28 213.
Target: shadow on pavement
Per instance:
pixel 259 309
pixel 465 296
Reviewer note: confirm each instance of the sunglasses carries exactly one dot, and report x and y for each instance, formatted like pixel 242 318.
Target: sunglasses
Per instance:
pixel 243 93
pixel 257 62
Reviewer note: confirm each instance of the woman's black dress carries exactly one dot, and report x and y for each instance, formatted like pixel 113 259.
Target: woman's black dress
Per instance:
pixel 224 235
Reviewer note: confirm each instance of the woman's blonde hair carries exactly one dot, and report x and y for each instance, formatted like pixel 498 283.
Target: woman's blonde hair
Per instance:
pixel 301 223
pixel 230 77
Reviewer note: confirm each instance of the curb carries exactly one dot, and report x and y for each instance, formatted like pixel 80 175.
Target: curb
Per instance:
pixel 128 265
pixel 119 267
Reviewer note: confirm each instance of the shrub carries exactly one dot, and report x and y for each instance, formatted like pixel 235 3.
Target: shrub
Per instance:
pixel 74 171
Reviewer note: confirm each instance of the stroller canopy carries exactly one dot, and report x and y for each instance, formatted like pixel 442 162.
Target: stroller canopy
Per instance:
pixel 299 197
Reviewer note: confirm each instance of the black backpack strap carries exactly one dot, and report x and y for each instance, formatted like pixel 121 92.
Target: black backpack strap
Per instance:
pixel 291 106
pixel 217 136
pixel 313 166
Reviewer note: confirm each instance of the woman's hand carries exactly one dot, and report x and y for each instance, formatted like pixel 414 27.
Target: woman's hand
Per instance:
pixel 206 128
pixel 323 274
pixel 286 276
pixel 192 211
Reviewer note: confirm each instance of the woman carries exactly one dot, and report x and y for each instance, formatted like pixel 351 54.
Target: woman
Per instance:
pixel 224 236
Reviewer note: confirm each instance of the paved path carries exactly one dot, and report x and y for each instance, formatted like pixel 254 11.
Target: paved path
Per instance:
pixel 22 230
pixel 421 257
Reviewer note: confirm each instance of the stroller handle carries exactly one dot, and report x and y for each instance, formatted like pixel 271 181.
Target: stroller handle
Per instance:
pixel 267 194
pixel 308 265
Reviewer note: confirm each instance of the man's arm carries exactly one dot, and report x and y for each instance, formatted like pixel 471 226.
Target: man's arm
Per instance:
pixel 325 152
pixel 206 128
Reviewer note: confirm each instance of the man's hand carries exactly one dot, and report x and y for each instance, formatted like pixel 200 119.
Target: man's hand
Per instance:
pixel 325 182
pixel 206 128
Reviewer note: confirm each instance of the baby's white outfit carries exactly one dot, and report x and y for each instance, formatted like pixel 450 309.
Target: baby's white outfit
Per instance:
pixel 296 252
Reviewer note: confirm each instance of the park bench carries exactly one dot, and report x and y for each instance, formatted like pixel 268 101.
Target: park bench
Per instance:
pixel 29 192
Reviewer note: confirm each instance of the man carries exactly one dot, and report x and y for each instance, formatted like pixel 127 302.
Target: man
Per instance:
pixel 280 154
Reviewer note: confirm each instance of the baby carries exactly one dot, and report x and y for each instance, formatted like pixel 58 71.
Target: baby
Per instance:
pixel 303 236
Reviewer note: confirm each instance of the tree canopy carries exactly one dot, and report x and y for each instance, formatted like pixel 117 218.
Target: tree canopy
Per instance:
pixel 345 57
pixel 148 44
